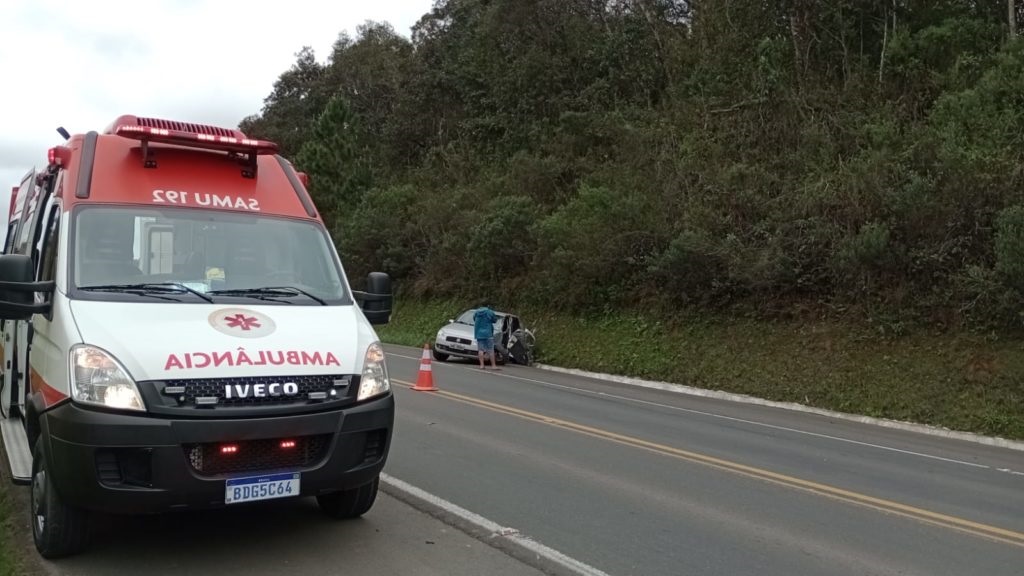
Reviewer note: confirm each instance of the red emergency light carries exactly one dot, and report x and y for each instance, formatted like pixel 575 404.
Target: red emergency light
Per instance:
pixel 155 130
pixel 229 449
pixel 287 444
pixel 198 140
pixel 58 156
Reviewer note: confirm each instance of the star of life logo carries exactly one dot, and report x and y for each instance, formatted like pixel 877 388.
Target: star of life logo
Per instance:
pixel 241 323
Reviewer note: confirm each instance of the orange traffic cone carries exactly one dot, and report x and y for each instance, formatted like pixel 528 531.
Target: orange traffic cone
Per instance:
pixel 425 380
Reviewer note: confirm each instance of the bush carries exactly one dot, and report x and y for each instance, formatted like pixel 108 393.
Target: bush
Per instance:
pixel 502 244
pixel 691 269
pixel 1009 246
pixel 593 249
pixel 380 233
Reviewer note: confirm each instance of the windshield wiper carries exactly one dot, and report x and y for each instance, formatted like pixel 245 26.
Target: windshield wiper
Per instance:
pixel 303 292
pixel 147 288
pixel 269 291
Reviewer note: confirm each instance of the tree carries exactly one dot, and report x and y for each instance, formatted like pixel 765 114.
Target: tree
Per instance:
pixel 373 74
pixel 764 155
pixel 334 161
pixel 290 110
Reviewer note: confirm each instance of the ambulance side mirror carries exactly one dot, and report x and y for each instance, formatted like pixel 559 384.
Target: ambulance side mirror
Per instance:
pixel 17 288
pixel 376 301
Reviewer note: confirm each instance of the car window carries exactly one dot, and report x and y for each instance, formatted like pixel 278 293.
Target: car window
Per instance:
pixel 467 318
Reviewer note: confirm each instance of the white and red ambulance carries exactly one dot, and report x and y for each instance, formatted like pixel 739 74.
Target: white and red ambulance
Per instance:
pixel 179 333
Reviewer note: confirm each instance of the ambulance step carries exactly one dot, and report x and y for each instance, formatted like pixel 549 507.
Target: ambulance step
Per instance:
pixel 19 456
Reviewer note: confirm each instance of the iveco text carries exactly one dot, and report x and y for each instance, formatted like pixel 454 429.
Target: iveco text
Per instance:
pixel 261 390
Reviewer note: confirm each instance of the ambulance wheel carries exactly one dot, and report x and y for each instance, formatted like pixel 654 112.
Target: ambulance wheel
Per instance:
pixel 57 529
pixel 349 503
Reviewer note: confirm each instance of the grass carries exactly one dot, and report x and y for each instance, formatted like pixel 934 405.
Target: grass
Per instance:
pixel 960 381
pixel 10 565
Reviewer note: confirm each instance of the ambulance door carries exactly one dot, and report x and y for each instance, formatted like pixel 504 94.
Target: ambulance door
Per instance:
pixel 46 357
pixel 17 242
pixel 5 348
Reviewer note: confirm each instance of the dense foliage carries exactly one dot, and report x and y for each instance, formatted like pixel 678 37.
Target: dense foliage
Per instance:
pixel 770 157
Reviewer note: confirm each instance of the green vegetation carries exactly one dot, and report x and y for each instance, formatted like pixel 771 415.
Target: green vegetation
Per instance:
pixel 961 382
pixel 10 562
pixel 744 172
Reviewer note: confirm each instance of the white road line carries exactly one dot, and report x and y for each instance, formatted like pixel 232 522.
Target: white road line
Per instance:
pixel 494 528
pixel 796 431
pixel 744 421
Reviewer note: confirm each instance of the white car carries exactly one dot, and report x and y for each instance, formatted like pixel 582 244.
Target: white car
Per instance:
pixel 456 339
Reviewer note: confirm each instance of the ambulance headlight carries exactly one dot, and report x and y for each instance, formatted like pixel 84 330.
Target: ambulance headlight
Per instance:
pixel 97 378
pixel 374 381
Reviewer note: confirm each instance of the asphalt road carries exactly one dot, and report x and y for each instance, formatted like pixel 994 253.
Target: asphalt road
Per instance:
pixel 646 482
pixel 614 480
pixel 277 538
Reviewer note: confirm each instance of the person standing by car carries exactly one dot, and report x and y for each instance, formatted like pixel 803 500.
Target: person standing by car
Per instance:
pixel 483 328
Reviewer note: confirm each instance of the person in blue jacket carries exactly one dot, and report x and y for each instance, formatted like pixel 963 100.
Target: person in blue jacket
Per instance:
pixel 483 328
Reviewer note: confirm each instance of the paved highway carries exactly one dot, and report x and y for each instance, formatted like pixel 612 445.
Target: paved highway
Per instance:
pixel 646 482
pixel 574 475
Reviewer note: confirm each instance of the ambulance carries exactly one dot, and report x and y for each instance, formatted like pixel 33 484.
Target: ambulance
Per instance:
pixel 179 333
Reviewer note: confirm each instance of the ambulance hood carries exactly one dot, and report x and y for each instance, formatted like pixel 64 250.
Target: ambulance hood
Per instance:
pixel 157 341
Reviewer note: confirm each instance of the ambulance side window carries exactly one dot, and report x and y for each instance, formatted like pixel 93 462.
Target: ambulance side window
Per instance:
pixel 28 214
pixel 48 266
pixel 11 231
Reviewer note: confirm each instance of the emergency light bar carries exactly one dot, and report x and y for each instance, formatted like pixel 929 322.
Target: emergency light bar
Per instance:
pixel 197 140
pixel 194 139
pixel 58 156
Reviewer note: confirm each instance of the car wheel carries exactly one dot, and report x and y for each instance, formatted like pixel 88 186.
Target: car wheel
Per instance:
pixel 351 503
pixel 440 356
pixel 57 529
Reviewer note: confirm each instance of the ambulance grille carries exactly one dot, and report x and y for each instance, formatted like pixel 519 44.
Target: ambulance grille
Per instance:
pixel 258 455
pixel 213 392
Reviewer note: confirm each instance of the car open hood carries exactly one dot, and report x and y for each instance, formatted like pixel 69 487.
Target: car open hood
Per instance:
pixel 156 341
pixel 460 330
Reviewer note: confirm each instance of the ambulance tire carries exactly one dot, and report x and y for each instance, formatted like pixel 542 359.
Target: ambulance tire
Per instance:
pixel 349 503
pixel 62 530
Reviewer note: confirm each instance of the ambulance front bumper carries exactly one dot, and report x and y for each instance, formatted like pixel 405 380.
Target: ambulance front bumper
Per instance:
pixel 132 464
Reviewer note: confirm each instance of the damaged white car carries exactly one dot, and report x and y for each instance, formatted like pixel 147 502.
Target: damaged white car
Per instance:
pixel 512 341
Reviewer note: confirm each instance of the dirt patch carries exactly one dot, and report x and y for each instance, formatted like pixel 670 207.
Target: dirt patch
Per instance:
pixel 18 555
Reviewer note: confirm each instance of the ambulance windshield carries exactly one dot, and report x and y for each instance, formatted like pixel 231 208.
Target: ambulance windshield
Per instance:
pixel 192 255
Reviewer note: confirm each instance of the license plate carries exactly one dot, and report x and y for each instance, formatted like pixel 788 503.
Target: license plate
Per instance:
pixel 253 488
